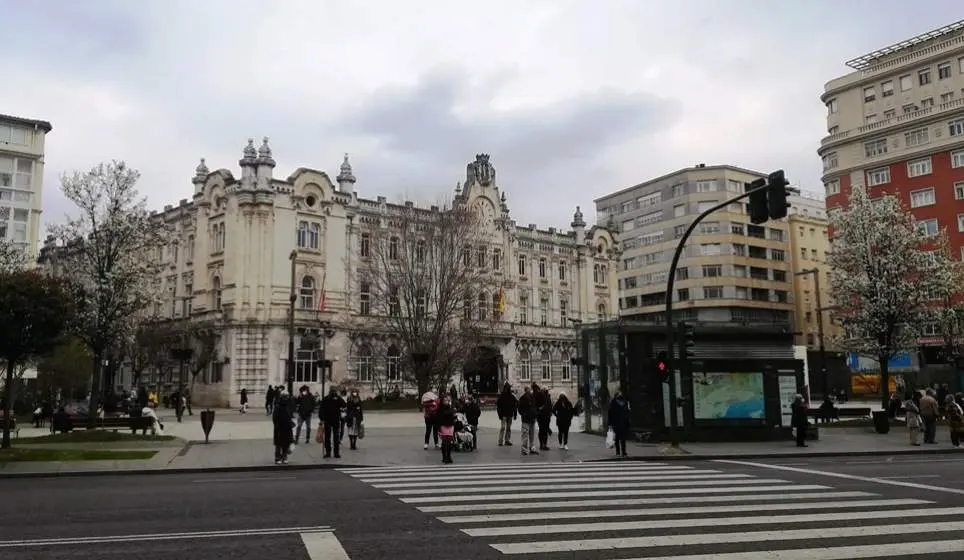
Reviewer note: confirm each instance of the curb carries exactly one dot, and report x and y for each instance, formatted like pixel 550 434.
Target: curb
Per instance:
pixel 184 470
pixel 684 456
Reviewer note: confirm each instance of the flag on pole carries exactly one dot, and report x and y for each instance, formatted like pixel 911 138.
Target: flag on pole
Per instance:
pixel 324 293
pixel 502 300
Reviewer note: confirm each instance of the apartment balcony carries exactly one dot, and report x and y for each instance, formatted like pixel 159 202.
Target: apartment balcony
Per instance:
pixel 935 112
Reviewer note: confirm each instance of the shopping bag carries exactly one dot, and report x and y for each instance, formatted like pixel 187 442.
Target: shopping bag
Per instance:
pixel 610 439
pixel 361 430
pixel 320 434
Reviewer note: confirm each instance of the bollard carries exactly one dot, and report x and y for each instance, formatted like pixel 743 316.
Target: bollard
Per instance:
pixel 207 422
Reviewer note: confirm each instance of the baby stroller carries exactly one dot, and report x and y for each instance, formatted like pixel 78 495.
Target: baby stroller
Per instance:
pixel 464 439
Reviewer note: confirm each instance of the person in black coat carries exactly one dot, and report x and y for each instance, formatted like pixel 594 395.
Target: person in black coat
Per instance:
pixel 507 407
pixel 329 413
pixel 281 418
pixel 445 419
pixel 799 420
pixel 563 411
pixel 527 414
pixel 543 405
pixel 472 412
pixel 619 422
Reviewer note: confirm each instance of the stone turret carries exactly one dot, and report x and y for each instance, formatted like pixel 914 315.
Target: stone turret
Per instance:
pixel 346 179
pixel 579 226
pixel 265 164
pixel 200 175
pixel 249 164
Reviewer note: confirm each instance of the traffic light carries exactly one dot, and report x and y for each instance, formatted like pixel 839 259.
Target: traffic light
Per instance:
pixel 662 366
pixel 758 202
pixel 777 195
pixel 686 341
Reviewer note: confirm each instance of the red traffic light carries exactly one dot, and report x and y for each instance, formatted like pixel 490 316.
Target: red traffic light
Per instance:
pixel 661 366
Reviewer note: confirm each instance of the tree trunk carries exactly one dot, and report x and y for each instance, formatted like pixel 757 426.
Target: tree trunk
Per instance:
pixel 7 405
pixel 884 381
pixel 95 389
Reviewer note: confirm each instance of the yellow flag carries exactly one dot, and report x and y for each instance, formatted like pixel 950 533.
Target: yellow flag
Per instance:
pixel 501 300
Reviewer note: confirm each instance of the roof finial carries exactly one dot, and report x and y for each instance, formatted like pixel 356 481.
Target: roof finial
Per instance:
pixel 345 174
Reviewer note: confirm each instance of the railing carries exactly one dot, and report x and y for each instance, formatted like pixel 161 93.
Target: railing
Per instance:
pixel 899 119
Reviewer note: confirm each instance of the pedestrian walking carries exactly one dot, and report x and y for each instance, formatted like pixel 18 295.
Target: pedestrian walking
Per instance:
pixel 799 420
pixel 955 419
pixel 619 422
pixel 527 415
pixel 563 411
pixel 305 406
pixel 543 415
pixel 354 418
pixel 445 418
pixel 329 413
pixel 283 423
pixel 269 396
pixel 244 401
pixel 930 411
pixel 507 407
pixel 912 418
pixel 430 406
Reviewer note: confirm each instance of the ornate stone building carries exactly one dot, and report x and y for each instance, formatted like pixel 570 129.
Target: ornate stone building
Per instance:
pixel 230 263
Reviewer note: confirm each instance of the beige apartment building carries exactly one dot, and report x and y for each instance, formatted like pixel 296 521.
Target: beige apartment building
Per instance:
pixel 21 180
pixel 807 223
pixel 731 270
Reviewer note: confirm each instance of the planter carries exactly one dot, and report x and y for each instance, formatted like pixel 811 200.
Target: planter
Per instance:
pixel 881 422
pixel 207 422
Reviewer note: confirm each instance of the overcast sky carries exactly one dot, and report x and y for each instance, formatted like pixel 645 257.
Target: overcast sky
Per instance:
pixel 572 99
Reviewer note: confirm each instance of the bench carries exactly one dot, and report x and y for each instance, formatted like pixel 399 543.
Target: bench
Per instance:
pixel 11 424
pixel 837 413
pixel 114 423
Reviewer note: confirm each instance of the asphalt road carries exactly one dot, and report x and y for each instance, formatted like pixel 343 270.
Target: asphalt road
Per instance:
pixel 141 515
pixel 791 509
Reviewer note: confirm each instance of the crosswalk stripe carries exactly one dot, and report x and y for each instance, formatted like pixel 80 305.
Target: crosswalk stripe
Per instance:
pixel 794 498
pixel 495 466
pixel 824 517
pixel 655 512
pixel 580 486
pixel 526 481
pixel 544 547
pixel 858 552
pixel 500 474
pixel 549 495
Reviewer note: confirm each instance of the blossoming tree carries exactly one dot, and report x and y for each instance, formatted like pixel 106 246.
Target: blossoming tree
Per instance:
pixel 885 278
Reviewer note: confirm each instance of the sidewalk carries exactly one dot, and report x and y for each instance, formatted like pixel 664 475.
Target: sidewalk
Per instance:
pixel 243 443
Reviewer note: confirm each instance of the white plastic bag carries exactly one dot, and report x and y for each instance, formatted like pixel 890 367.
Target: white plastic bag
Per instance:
pixel 610 439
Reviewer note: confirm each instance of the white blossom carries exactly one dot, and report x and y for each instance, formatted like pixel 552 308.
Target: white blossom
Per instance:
pixel 885 276
pixel 12 257
pixel 108 258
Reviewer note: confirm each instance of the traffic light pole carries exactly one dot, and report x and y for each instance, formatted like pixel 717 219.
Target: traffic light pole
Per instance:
pixel 671 281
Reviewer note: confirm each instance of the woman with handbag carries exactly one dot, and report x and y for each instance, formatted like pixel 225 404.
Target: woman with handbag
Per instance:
pixel 912 417
pixel 353 420
pixel 445 420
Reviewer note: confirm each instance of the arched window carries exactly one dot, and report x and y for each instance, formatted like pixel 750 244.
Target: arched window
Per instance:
pixel 363 364
pixel 393 369
pixel 596 276
pixel 525 366
pixel 566 367
pixel 420 252
pixel 546 367
pixel 601 311
pixel 543 268
pixel 307 292
pixel 483 302
pixel 496 306
pixel 216 293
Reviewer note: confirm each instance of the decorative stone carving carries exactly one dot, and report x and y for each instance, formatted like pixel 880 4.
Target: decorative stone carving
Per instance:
pixel 481 171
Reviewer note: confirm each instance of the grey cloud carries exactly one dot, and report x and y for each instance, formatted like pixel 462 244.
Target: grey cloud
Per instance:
pixel 535 150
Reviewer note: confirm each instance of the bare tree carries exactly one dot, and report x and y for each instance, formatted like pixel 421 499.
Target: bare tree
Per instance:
pixel 111 258
pixel 146 346
pixel 421 284
pixel 200 341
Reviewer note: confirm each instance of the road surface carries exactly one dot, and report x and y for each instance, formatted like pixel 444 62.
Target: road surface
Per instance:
pixel 788 509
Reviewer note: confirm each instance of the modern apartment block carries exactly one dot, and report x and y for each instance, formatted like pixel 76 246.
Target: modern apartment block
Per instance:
pixel 731 271
pixel 896 125
pixel 807 223
pixel 21 180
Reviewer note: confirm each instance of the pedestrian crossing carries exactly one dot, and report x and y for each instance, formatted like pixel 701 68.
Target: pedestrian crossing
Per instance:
pixel 661 511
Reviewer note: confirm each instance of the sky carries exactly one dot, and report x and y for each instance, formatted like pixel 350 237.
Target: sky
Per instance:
pixel 572 99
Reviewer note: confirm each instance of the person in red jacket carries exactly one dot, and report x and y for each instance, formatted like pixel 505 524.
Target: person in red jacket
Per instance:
pixel 429 409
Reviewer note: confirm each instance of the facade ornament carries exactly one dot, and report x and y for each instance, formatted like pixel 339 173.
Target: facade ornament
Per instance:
pixel 577 219
pixel 264 154
pixel 201 172
pixel 345 174
pixel 480 172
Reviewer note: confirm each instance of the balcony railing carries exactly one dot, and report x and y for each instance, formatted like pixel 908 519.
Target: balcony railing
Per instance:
pixel 948 107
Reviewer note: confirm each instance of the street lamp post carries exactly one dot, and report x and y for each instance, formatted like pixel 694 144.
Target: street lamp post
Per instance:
pixel 327 333
pixel 292 298
pixel 820 339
